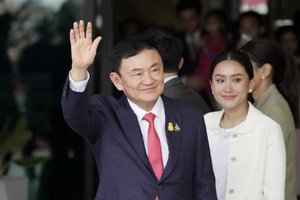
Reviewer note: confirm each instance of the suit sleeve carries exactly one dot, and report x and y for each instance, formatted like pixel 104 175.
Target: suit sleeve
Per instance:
pixel 79 114
pixel 204 176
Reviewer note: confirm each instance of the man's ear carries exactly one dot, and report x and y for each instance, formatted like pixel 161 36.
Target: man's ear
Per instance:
pixel 116 80
pixel 181 61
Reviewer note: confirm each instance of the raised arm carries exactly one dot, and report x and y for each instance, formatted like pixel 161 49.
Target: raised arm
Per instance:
pixel 83 49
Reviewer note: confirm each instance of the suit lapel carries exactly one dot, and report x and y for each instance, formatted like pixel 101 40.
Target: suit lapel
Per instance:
pixel 132 131
pixel 173 134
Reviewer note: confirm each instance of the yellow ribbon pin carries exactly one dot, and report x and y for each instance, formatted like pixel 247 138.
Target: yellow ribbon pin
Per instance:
pixel 170 126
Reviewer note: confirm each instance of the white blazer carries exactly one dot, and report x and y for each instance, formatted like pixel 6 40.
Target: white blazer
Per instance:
pixel 256 160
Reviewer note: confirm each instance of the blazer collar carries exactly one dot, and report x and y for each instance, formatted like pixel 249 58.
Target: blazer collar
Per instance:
pixel 174 81
pixel 173 135
pixel 129 123
pixel 249 122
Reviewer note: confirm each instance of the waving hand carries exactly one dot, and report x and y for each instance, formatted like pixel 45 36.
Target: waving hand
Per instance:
pixel 83 49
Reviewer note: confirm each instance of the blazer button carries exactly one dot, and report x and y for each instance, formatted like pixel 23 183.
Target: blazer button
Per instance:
pixel 233 159
pixel 159 187
pixel 231 191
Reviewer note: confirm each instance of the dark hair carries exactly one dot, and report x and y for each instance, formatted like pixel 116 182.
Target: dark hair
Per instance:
pixel 189 4
pixel 168 45
pixel 220 15
pixel 284 70
pixel 284 29
pixel 258 17
pixel 234 55
pixel 128 47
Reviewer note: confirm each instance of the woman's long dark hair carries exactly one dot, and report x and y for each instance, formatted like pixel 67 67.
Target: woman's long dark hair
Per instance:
pixel 284 70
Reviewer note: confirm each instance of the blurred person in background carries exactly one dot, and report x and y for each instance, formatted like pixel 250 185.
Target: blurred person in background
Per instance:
pixel 276 94
pixel 213 41
pixel 170 48
pixel 288 41
pixel 190 30
pixel 8 107
pixel 251 26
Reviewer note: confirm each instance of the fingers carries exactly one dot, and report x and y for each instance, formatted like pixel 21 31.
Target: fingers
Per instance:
pixel 95 44
pixel 79 32
pixel 72 37
pixel 89 30
pixel 81 29
pixel 76 31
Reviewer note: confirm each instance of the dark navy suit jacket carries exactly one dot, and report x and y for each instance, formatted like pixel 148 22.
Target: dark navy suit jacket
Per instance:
pixel 125 173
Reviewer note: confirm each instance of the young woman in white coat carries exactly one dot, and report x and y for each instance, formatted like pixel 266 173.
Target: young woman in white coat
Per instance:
pixel 247 147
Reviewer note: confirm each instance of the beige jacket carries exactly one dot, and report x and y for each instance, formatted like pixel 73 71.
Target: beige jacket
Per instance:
pixel 256 161
pixel 276 107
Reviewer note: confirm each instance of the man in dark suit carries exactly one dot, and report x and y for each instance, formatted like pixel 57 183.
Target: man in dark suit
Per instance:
pixel 119 130
pixel 170 49
pixel 189 18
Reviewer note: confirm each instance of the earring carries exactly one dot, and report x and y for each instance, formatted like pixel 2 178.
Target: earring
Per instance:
pixel 212 92
pixel 250 90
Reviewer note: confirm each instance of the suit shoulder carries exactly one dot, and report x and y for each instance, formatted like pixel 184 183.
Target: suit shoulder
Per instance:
pixel 103 99
pixel 180 103
pixel 184 106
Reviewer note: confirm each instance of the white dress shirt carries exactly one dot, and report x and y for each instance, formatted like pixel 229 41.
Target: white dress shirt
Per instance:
pixel 159 121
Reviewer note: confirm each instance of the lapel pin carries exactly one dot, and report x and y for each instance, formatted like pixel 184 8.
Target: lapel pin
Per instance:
pixel 170 126
pixel 177 128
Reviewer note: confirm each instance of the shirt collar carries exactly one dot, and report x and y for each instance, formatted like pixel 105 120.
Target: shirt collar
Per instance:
pixel 194 37
pixel 170 78
pixel 158 109
pixel 250 121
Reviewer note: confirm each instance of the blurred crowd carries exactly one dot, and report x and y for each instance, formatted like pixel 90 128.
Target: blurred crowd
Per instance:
pixel 35 55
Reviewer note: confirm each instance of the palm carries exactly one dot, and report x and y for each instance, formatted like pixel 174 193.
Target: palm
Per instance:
pixel 83 49
pixel 82 54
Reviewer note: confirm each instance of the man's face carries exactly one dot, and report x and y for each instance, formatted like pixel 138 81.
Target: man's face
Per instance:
pixel 188 21
pixel 250 26
pixel 141 78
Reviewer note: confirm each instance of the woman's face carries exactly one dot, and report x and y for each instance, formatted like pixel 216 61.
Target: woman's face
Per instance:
pixel 230 84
